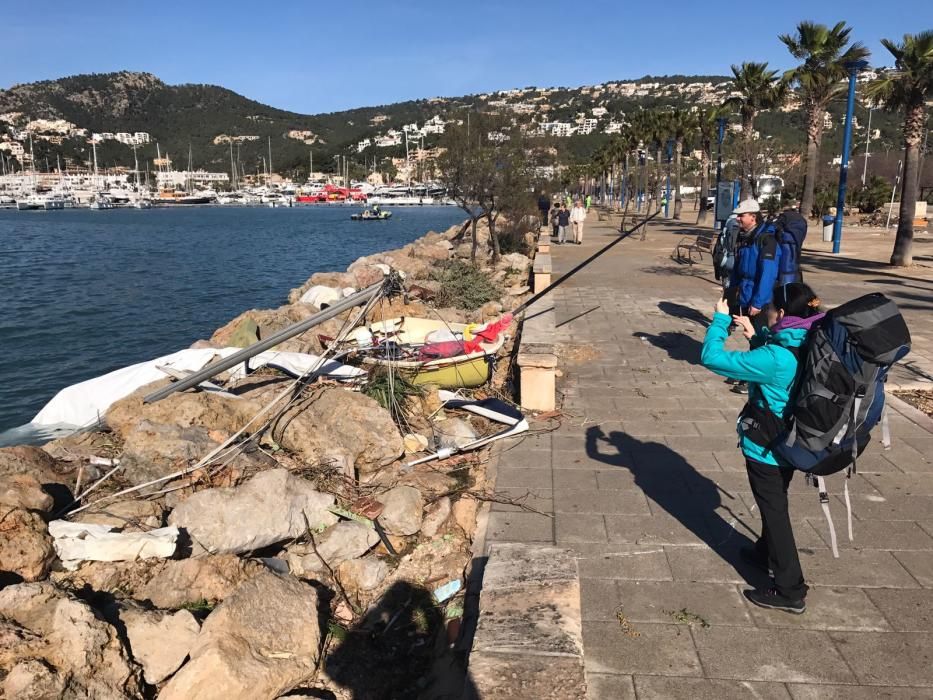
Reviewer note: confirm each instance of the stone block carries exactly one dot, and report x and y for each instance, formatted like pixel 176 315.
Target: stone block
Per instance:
pixel 598 501
pixel 805 691
pixel 862 569
pixel 624 562
pixel 663 601
pixel 907 611
pixel 537 377
pixel 520 527
pixel 603 686
pixel 640 648
pixel 665 688
pixel 579 527
pixel 829 608
pixel 889 658
pixel 919 564
pixel 793 656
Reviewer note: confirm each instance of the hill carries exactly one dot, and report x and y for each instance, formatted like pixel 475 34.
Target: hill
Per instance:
pixel 205 118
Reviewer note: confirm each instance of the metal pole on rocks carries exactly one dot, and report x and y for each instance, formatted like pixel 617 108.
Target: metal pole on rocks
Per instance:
pixel 216 368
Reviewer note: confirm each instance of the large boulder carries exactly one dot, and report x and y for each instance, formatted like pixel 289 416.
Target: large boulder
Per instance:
pixel 272 507
pixel 346 540
pixel 25 546
pixel 24 491
pixel 259 643
pixel 264 322
pixel 402 510
pixel 67 636
pixel 167 584
pixel 32 679
pixel 362 575
pixel 159 641
pixel 55 477
pixel 343 427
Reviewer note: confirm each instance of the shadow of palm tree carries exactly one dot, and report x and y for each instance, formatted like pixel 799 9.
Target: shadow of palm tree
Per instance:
pixel 711 514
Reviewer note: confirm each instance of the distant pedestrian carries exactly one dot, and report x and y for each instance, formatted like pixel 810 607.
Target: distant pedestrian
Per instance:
pixel 563 222
pixel 555 210
pixel 587 203
pixel 544 206
pixel 577 217
pixel 568 200
pixel 771 368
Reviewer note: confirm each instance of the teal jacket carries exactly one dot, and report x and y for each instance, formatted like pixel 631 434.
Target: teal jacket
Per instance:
pixel 769 368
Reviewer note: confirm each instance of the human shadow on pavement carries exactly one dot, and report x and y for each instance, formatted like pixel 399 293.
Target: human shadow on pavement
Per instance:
pixel 711 514
pixel 687 313
pixel 677 344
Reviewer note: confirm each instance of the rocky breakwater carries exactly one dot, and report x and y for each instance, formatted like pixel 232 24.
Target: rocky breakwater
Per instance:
pixel 308 556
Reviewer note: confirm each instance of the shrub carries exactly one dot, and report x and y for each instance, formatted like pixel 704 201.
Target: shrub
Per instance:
pixel 464 286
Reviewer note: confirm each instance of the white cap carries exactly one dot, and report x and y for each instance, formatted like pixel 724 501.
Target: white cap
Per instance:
pixel 748 206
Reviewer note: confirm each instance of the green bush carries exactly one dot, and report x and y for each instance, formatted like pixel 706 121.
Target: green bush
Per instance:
pixel 464 286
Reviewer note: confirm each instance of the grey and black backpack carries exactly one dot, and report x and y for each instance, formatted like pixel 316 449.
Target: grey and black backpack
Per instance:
pixel 839 395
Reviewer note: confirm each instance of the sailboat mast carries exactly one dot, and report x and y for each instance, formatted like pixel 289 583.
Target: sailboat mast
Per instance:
pixel 270 158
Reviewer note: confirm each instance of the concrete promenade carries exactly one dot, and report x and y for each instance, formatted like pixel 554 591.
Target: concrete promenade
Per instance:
pixel 642 481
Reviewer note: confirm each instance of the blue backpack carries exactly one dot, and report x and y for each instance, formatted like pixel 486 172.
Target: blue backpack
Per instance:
pixel 790 230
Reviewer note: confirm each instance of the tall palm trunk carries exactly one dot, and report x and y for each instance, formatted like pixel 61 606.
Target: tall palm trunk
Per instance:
pixel 814 138
pixel 748 158
pixel 678 202
pixel 904 242
pixel 704 182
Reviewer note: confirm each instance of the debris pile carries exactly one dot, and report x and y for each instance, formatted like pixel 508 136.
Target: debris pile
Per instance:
pixel 260 534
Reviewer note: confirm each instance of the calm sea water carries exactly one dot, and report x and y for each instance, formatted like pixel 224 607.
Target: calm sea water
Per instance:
pixel 86 292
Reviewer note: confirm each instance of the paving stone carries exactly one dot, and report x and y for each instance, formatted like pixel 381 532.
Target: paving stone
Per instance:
pixel 666 688
pixel 702 564
pixel 888 658
pixel 623 562
pixel 862 569
pixel 919 564
pixel 877 534
pixel 663 601
pixel 907 611
pixel 518 458
pixel 643 648
pixel 574 479
pixel 602 686
pixel 800 691
pixel 580 527
pixel 828 608
pixel 519 527
pixel 596 501
pixel 892 507
pixel 794 656
pixel 599 599
pixel 657 529
pixel 896 484
pixel 539 499
pixel 527 478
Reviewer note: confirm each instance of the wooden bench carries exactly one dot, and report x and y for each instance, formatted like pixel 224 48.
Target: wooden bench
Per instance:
pixel 702 242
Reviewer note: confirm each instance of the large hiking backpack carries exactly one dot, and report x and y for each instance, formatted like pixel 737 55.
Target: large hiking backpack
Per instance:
pixel 790 230
pixel 839 395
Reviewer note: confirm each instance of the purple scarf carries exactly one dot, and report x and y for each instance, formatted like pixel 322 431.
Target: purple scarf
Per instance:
pixel 797 322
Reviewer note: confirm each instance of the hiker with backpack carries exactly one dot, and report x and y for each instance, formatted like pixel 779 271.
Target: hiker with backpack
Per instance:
pixel 771 368
pixel 816 392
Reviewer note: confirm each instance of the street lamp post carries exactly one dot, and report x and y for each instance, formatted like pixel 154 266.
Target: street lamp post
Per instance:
pixel 667 193
pixel 867 146
pixel 720 135
pixel 854 67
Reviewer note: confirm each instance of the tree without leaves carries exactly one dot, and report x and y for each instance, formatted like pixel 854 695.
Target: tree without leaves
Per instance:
pixel 907 88
pixel 760 89
pixel 820 79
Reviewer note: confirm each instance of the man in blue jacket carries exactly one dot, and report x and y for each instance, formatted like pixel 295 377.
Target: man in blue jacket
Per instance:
pixel 756 267
pixel 757 261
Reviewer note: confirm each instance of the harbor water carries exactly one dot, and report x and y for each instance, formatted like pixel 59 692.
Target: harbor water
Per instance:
pixel 86 292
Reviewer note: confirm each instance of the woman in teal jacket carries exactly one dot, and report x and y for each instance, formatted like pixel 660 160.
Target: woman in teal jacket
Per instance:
pixel 771 369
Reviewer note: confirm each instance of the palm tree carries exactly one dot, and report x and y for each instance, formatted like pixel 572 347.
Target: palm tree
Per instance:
pixel 683 125
pixel 706 130
pixel 759 89
pixel 820 78
pixel 907 88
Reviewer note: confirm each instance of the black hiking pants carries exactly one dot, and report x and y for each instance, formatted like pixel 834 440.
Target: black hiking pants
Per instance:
pixel 769 486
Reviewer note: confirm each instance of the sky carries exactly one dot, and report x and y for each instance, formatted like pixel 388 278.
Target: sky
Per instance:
pixel 313 57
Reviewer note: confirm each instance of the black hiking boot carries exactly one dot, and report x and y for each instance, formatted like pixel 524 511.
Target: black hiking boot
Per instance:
pixel 740 388
pixel 770 598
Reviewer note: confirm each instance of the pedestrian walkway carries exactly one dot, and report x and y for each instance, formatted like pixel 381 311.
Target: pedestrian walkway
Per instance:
pixel 643 482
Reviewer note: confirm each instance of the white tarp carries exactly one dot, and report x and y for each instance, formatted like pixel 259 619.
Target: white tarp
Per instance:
pixel 77 542
pixel 321 296
pixel 84 404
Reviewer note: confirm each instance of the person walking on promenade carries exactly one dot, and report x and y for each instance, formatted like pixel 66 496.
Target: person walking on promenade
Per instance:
pixel 755 270
pixel 544 206
pixel 555 210
pixel 771 368
pixel 577 217
pixel 563 221
pixel 588 202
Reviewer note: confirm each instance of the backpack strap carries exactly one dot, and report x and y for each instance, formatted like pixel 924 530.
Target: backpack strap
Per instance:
pixel 885 428
pixel 848 505
pixel 824 502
